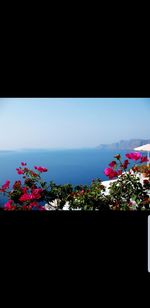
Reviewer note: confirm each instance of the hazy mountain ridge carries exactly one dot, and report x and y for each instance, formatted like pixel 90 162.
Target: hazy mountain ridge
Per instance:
pixel 124 144
pixel 120 145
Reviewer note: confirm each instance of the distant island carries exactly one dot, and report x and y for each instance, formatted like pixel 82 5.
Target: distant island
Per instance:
pixel 124 144
pixel 120 145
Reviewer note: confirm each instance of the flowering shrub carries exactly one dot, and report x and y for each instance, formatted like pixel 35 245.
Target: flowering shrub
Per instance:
pixel 125 193
pixel 28 195
pixel 90 197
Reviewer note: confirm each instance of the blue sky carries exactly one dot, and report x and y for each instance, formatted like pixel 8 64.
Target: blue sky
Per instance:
pixel 71 122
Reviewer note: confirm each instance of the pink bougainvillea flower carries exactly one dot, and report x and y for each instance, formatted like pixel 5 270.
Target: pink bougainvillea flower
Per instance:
pixel 34 196
pixel 129 155
pixel 44 169
pixel 23 164
pixel 5 186
pixel 8 204
pixel 24 190
pixel 107 171
pixel 24 207
pixel 119 172
pixel 113 174
pixel 42 208
pixel 134 155
pixel 25 197
pixel 113 164
pixel 144 159
pixel 36 193
pixel 40 169
pixel 37 190
pixel 19 171
pixel 125 164
pixel 34 204
pixel 110 173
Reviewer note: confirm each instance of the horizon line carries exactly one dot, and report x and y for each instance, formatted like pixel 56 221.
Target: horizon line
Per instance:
pixel 68 148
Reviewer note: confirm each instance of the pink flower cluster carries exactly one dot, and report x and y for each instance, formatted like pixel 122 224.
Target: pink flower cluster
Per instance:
pixel 40 169
pixel 19 171
pixel 22 171
pixel 23 164
pixel 5 186
pixel 144 159
pixel 28 195
pixel 113 164
pixel 9 205
pixel 111 173
pixel 136 156
pixel 35 194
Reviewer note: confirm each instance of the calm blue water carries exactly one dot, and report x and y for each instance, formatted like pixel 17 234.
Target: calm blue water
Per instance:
pixel 64 166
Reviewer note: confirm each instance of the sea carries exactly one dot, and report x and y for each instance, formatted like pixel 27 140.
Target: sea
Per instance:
pixel 76 167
